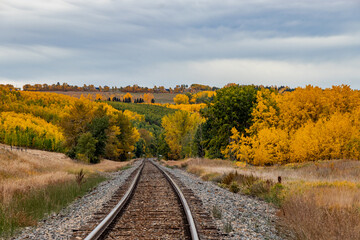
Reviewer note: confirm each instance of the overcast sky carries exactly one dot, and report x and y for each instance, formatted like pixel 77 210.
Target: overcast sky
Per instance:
pixel 169 42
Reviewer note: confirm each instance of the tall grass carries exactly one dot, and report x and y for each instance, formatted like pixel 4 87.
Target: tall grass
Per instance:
pixel 26 208
pixel 319 214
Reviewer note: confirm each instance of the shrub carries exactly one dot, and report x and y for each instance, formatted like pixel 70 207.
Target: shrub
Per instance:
pixel 276 195
pixel 234 187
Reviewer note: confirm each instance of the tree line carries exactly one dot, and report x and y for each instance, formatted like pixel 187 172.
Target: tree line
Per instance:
pixel 65 87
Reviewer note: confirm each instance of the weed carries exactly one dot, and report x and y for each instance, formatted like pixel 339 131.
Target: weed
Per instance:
pixel 216 212
pixel 229 178
pixel 125 167
pixel 80 177
pixel 228 227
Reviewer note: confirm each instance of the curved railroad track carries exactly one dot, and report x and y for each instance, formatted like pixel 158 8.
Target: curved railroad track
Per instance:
pixel 153 207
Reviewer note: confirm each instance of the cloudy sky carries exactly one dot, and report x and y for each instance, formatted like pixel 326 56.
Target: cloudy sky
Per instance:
pixel 169 42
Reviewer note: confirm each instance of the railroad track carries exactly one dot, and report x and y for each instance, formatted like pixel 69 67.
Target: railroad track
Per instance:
pixel 152 206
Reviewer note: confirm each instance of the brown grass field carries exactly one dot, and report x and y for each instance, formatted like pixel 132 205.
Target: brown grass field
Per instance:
pixel 319 200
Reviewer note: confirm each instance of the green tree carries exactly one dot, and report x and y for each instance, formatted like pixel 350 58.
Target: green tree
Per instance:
pixel 98 128
pixel 232 107
pixel 140 148
pixel 86 148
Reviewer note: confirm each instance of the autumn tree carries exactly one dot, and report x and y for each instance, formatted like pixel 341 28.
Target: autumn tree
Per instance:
pixel 180 129
pixel 307 124
pixel 181 99
pixel 148 97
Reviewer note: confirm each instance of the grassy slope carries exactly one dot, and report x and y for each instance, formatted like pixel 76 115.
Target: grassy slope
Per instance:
pixel 153 113
pixel 35 183
pixel 317 200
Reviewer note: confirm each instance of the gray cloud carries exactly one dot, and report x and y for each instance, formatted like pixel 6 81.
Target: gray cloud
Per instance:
pixel 170 42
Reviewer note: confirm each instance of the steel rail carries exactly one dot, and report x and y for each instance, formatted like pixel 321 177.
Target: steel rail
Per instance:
pixel 189 217
pixel 99 230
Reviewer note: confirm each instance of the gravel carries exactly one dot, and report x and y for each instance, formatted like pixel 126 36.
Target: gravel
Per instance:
pixel 248 217
pixel 60 226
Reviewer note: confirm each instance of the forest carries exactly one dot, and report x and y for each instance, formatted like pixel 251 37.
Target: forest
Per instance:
pixel 253 124
pixel 82 128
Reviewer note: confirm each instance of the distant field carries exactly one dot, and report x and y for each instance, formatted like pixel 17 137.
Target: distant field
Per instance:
pixel 159 97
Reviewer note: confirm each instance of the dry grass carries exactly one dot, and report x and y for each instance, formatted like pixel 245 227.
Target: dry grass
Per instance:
pixel 203 166
pixel 323 213
pixel 318 200
pixel 329 171
pixel 21 171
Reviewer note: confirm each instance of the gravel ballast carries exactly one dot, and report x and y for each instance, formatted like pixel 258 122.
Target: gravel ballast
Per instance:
pixel 249 217
pixel 60 226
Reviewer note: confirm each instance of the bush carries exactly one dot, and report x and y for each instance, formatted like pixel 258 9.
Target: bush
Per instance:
pixel 234 187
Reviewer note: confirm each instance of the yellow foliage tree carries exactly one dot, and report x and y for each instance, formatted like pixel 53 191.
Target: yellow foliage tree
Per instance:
pixel 181 99
pixel 307 124
pixel 187 107
pixel 202 95
pixel 180 129
pixel 18 129
pixel 128 96
pixel 148 97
